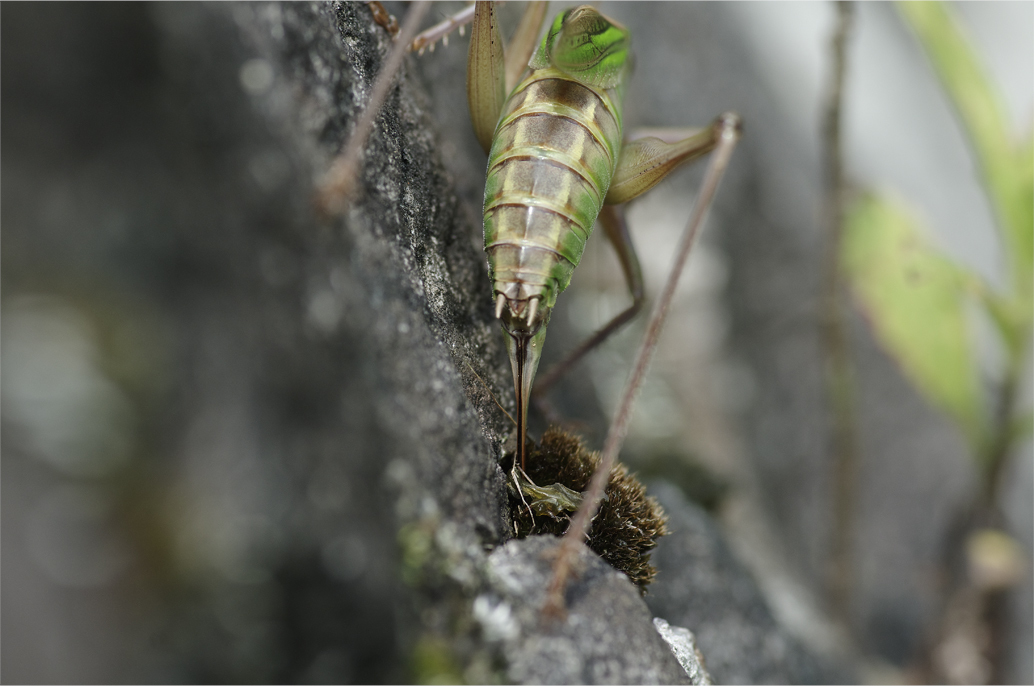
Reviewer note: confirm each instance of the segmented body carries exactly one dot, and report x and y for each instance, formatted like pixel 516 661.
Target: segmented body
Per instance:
pixel 552 160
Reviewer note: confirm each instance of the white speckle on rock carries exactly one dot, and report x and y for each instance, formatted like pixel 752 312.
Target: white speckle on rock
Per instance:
pixel 256 76
pixel 496 618
pixel 324 311
pixel 683 646
pixel 73 416
pixel 428 507
pixel 398 472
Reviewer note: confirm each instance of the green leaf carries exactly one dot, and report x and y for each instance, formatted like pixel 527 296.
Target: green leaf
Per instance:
pixel 914 298
pixel 1024 239
pixel 1006 167
pixel 1010 314
pixel 1021 428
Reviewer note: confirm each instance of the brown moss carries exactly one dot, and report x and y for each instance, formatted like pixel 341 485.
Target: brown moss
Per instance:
pixel 628 523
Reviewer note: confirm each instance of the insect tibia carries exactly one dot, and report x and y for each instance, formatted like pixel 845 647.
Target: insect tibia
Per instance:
pixel 441 31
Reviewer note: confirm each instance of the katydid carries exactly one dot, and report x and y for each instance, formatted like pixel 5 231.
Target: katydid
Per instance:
pixel 557 162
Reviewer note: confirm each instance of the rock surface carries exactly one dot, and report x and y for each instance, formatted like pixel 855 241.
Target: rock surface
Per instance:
pixel 320 377
pixel 701 586
pixel 606 637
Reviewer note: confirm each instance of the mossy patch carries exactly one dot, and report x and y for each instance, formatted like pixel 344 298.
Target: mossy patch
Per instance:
pixel 628 524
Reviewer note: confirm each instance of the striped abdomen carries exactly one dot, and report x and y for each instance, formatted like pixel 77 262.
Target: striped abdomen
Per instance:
pixel 551 163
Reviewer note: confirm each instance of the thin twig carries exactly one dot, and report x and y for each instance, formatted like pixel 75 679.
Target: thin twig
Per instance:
pixel 839 374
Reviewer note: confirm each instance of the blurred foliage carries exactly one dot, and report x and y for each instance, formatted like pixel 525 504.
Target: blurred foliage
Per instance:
pixel 995 559
pixel 433 662
pixel 1006 167
pixel 921 305
pixel 915 296
pixel 915 299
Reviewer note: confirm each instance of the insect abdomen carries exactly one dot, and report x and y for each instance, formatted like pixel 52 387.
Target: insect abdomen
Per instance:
pixel 551 163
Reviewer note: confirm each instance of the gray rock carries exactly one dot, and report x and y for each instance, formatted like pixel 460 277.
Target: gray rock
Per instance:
pixel 700 585
pixel 606 636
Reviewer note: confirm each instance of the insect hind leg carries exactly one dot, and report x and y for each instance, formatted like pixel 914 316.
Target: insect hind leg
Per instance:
pixel 440 31
pixel 647 157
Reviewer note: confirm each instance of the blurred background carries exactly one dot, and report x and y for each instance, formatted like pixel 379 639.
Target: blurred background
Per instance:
pixel 124 503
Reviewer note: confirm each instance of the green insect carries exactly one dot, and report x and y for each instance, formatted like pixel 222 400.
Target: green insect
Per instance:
pixel 558 161
pixel 548 114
